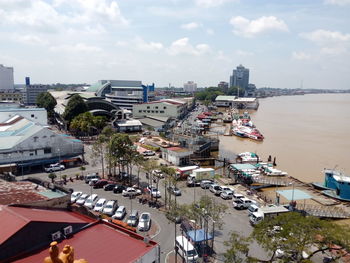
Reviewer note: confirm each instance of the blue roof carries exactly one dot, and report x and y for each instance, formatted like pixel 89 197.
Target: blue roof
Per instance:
pixel 294 194
pixel 199 235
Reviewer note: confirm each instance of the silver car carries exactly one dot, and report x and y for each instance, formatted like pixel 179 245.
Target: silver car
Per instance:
pixel 145 222
pixel 133 218
pixel 75 196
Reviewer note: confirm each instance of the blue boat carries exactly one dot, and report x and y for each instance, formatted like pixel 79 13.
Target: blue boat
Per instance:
pixel 336 185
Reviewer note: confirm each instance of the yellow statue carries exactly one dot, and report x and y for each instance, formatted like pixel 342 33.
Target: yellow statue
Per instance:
pixel 66 256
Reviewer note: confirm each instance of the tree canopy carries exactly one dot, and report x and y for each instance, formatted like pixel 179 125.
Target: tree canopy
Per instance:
pixel 296 238
pixel 75 106
pixel 47 101
pixel 87 123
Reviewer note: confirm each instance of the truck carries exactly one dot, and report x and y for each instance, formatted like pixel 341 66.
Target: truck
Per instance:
pixel 197 175
pixel 266 212
pixel 183 172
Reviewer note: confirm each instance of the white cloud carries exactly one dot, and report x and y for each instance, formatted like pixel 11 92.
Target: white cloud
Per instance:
pixel 323 37
pixel 30 40
pixel 337 2
pixel 79 47
pixel 121 43
pixel 333 50
pixel 250 28
pixel 182 46
pixel 244 53
pixel 210 31
pixel 147 46
pixel 212 3
pixel 190 26
pixel 298 55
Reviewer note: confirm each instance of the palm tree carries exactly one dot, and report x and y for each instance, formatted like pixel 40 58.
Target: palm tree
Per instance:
pixel 52 176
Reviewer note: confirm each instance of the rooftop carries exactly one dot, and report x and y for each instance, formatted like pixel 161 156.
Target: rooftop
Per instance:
pixel 178 149
pixel 15 218
pixel 223 97
pixel 22 192
pixel 101 242
pixel 243 166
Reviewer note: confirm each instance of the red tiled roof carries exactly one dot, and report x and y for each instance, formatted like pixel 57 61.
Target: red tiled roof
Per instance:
pixel 101 243
pixel 15 218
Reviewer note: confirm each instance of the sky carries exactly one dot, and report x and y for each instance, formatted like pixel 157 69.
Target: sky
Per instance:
pixel 284 43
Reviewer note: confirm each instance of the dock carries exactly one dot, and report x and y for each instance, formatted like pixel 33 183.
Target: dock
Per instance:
pixel 228 130
pixel 324 211
pixel 272 181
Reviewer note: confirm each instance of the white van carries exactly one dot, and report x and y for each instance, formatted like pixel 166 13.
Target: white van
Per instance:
pixel 252 209
pixel 186 249
pixel 89 177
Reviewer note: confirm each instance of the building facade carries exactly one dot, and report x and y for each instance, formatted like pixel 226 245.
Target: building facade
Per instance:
pixel 123 93
pixel 31 92
pixel 190 86
pixel 11 96
pixel 223 85
pixel 240 77
pixel 6 78
pixel 29 144
pixel 163 108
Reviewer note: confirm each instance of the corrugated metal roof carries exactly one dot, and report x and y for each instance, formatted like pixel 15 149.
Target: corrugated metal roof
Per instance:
pixel 223 97
pixel 101 243
pixel 15 218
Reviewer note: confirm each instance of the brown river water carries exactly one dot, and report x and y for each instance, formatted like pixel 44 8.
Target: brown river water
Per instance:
pixel 305 133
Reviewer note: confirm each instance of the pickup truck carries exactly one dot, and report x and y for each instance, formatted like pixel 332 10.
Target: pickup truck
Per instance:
pixel 54 167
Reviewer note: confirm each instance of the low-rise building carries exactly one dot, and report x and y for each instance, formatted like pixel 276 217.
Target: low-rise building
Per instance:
pixel 37 115
pixel 236 102
pixel 177 155
pixel 11 96
pixel 163 108
pixel 31 92
pixel 27 144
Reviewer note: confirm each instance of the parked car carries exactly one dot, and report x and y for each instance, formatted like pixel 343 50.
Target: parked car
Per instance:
pixel 148 153
pixel 100 204
pixel 75 196
pixel 131 191
pixel 242 203
pixel 81 200
pixel 91 201
pixel 91 176
pixel 133 218
pixel 144 222
pixel 205 184
pixel 158 173
pixel 174 190
pixel 109 187
pixel 54 167
pixel 154 191
pixel 101 183
pixel 146 133
pixel 215 188
pixel 226 194
pixel 237 196
pixel 93 181
pixel 120 213
pixel 110 207
pixel 119 189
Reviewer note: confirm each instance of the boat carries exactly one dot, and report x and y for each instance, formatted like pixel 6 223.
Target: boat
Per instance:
pixel 335 185
pixel 236 131
pixel 248 157
pixel 247 132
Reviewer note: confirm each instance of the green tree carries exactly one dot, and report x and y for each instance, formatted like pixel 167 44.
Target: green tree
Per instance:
pixel 99 151
pixel 52 176
pixel 120 149
pixel 294 235
pixel 75 106
pixel 238 249
pixel 47 101
pixel 86 123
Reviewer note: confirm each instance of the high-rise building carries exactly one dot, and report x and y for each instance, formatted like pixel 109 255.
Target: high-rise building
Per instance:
pixel 190 86
pixel 6 78
pixel 223 85
pixel 31 92
pixel 240 77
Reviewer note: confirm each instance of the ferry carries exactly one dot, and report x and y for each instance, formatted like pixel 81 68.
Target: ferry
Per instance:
pixel 248 157
pixel 247 132
pixel 335 185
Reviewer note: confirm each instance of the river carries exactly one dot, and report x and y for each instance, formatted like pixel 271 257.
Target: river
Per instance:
pixel 305 133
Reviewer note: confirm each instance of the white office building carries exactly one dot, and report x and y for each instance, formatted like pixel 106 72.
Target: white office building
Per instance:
pixel 31 92
pixel 163 108
pixel 6 78
pixel 190 86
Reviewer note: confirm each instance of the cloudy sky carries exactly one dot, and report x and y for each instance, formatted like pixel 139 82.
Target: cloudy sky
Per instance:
pixel 283 42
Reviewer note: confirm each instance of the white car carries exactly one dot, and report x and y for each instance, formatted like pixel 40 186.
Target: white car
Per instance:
pixel 81 200
pixel 91 201
pixel 243 203
pixel 226 194
pixel 144 222
pixel 148 153
pixel 54 167
pixel 100 204
pixel 110 207
pixel 131 191
pixel 120 213
pixel 154 191
pixel 75 196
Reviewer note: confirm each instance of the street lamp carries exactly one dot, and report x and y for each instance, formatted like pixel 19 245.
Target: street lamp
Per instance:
pixel 59 161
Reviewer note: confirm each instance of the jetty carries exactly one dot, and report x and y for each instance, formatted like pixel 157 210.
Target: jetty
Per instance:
pixel 228 130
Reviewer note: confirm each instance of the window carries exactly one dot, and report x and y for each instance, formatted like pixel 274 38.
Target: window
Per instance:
pixel 161 111
pixel 147 107
pixel 156 111
pixel 32 115
pixel 156 107
pixel 152 111
pixel 148 111
pixel 140 110
pixel 47 150
pixel 164 108
pixel 35 139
